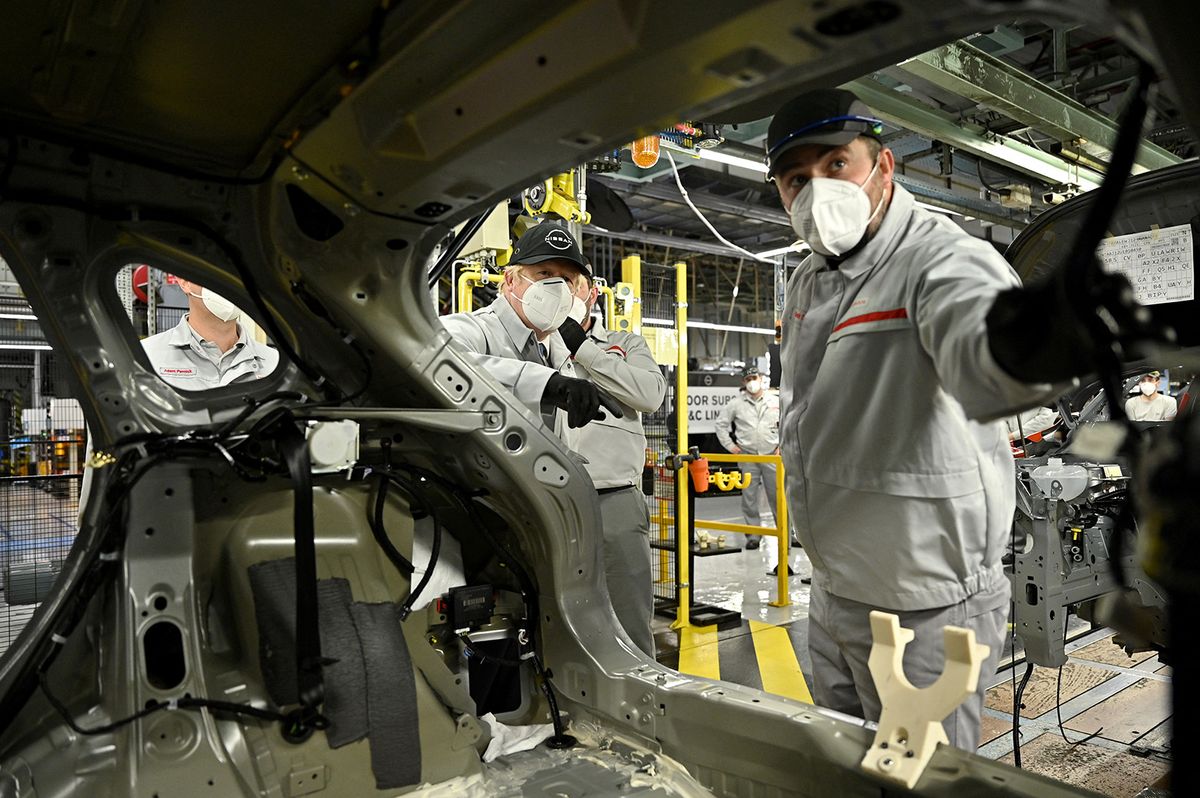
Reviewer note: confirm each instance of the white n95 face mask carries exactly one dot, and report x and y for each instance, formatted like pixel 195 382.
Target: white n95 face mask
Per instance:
pixel 754 386
pixel 831 215
pixel 547 302
pixel 1148 388
pixel 218 305
pixel 578 311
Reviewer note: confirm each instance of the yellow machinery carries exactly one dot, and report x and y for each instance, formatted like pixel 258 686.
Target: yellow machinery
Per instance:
pixel 559 195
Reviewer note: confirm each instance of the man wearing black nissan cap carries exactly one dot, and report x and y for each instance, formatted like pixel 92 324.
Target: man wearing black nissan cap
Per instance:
pixel 902 498
pixel 516 340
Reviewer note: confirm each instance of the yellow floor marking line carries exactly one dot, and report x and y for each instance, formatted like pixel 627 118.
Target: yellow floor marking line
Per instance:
pixel 698 651
pixel 777 663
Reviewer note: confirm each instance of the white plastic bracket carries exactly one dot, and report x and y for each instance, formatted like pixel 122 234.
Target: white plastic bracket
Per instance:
pixel 910 724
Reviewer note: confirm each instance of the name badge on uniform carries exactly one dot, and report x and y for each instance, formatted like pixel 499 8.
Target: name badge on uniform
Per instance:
pixel 177 372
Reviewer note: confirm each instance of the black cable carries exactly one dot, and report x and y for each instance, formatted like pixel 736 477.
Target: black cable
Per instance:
pixel 402 563
pixel 1017 706
pixel 448 257
pixel 1004 192
pixel 253 405
pixel 377 528
pixel 471 504
pixel 471 651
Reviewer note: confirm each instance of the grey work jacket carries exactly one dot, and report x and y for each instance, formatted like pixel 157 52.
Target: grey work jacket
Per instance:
pixel 184 360
pixel 902 501
pixel 753 422
pixel 620 364
pixel 500 343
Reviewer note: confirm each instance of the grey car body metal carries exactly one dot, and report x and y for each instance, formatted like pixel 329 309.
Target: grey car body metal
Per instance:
pixel 179 134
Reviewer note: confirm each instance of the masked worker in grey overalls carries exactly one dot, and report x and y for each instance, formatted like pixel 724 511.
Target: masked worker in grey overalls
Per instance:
pixel 621 364
pixel 903 502
pixel 515 339
pixel 749 424
pixel 207 349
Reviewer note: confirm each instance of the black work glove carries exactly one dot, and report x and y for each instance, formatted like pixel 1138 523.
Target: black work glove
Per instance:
pixel 1037 333
pixel 580 398
pixel 572 334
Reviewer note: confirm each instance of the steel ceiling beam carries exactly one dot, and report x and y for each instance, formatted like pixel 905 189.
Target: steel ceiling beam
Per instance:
pixel 658 240
pixel 902 111
pixel 995 84
pixel 968 206
pixel 704 201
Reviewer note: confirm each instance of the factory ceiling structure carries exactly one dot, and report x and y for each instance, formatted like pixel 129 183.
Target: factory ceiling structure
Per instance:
pixel 992 130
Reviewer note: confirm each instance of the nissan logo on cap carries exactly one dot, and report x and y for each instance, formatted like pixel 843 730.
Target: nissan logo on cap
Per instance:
pixel 559 239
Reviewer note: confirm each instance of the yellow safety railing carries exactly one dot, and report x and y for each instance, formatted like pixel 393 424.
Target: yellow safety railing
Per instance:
pixel 781 530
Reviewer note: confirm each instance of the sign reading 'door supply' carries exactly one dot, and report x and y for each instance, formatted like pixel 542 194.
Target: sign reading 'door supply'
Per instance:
pixel 707 394
pixel 1160 263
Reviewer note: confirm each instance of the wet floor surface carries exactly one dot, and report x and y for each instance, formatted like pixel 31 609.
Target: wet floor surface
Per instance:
pixel 1115 709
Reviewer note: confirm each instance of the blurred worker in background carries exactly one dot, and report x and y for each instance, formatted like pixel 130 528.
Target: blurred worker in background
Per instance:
pixel 1032 422
pixel 621 364
pixel 749 424
pixel 515 339
pixel 1149 404
pixel 903 502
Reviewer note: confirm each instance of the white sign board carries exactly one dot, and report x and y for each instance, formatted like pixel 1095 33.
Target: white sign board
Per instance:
pixel 1159 263
pixel 705 405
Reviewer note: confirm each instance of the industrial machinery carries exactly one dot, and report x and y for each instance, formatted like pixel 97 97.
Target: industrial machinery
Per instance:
pixel 1076 546
pixel 247 607
pixel 1067 516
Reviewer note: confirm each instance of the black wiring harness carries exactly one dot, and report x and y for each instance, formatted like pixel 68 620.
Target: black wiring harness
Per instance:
pixel 471 503
pixel 135 457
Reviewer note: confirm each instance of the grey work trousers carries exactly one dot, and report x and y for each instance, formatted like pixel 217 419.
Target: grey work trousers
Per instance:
pixel 762 480
pixel 627 563
pixel 839 640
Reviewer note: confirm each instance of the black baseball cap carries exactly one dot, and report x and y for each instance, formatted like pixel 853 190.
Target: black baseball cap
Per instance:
pixel 832 117
pixel 549 241
pixel 750 371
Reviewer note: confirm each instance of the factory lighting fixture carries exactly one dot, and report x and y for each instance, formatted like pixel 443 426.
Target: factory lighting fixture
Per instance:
pixel 19 316
pixel 732 160
pixel 708 325
pixel 26 347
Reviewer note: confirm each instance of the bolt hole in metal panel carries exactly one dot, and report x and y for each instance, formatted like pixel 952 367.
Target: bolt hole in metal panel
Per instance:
pixel 452 381
pixel 548 471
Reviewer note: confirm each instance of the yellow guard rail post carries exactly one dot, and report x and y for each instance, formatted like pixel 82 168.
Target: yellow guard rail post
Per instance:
pixel 683 615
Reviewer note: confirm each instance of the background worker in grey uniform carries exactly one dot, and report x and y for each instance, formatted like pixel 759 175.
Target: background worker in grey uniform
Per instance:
pixel 621 364
pixel 1149 404
pixel 208 348
pixel 515 339
pixel 749 424
pixel 903 501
